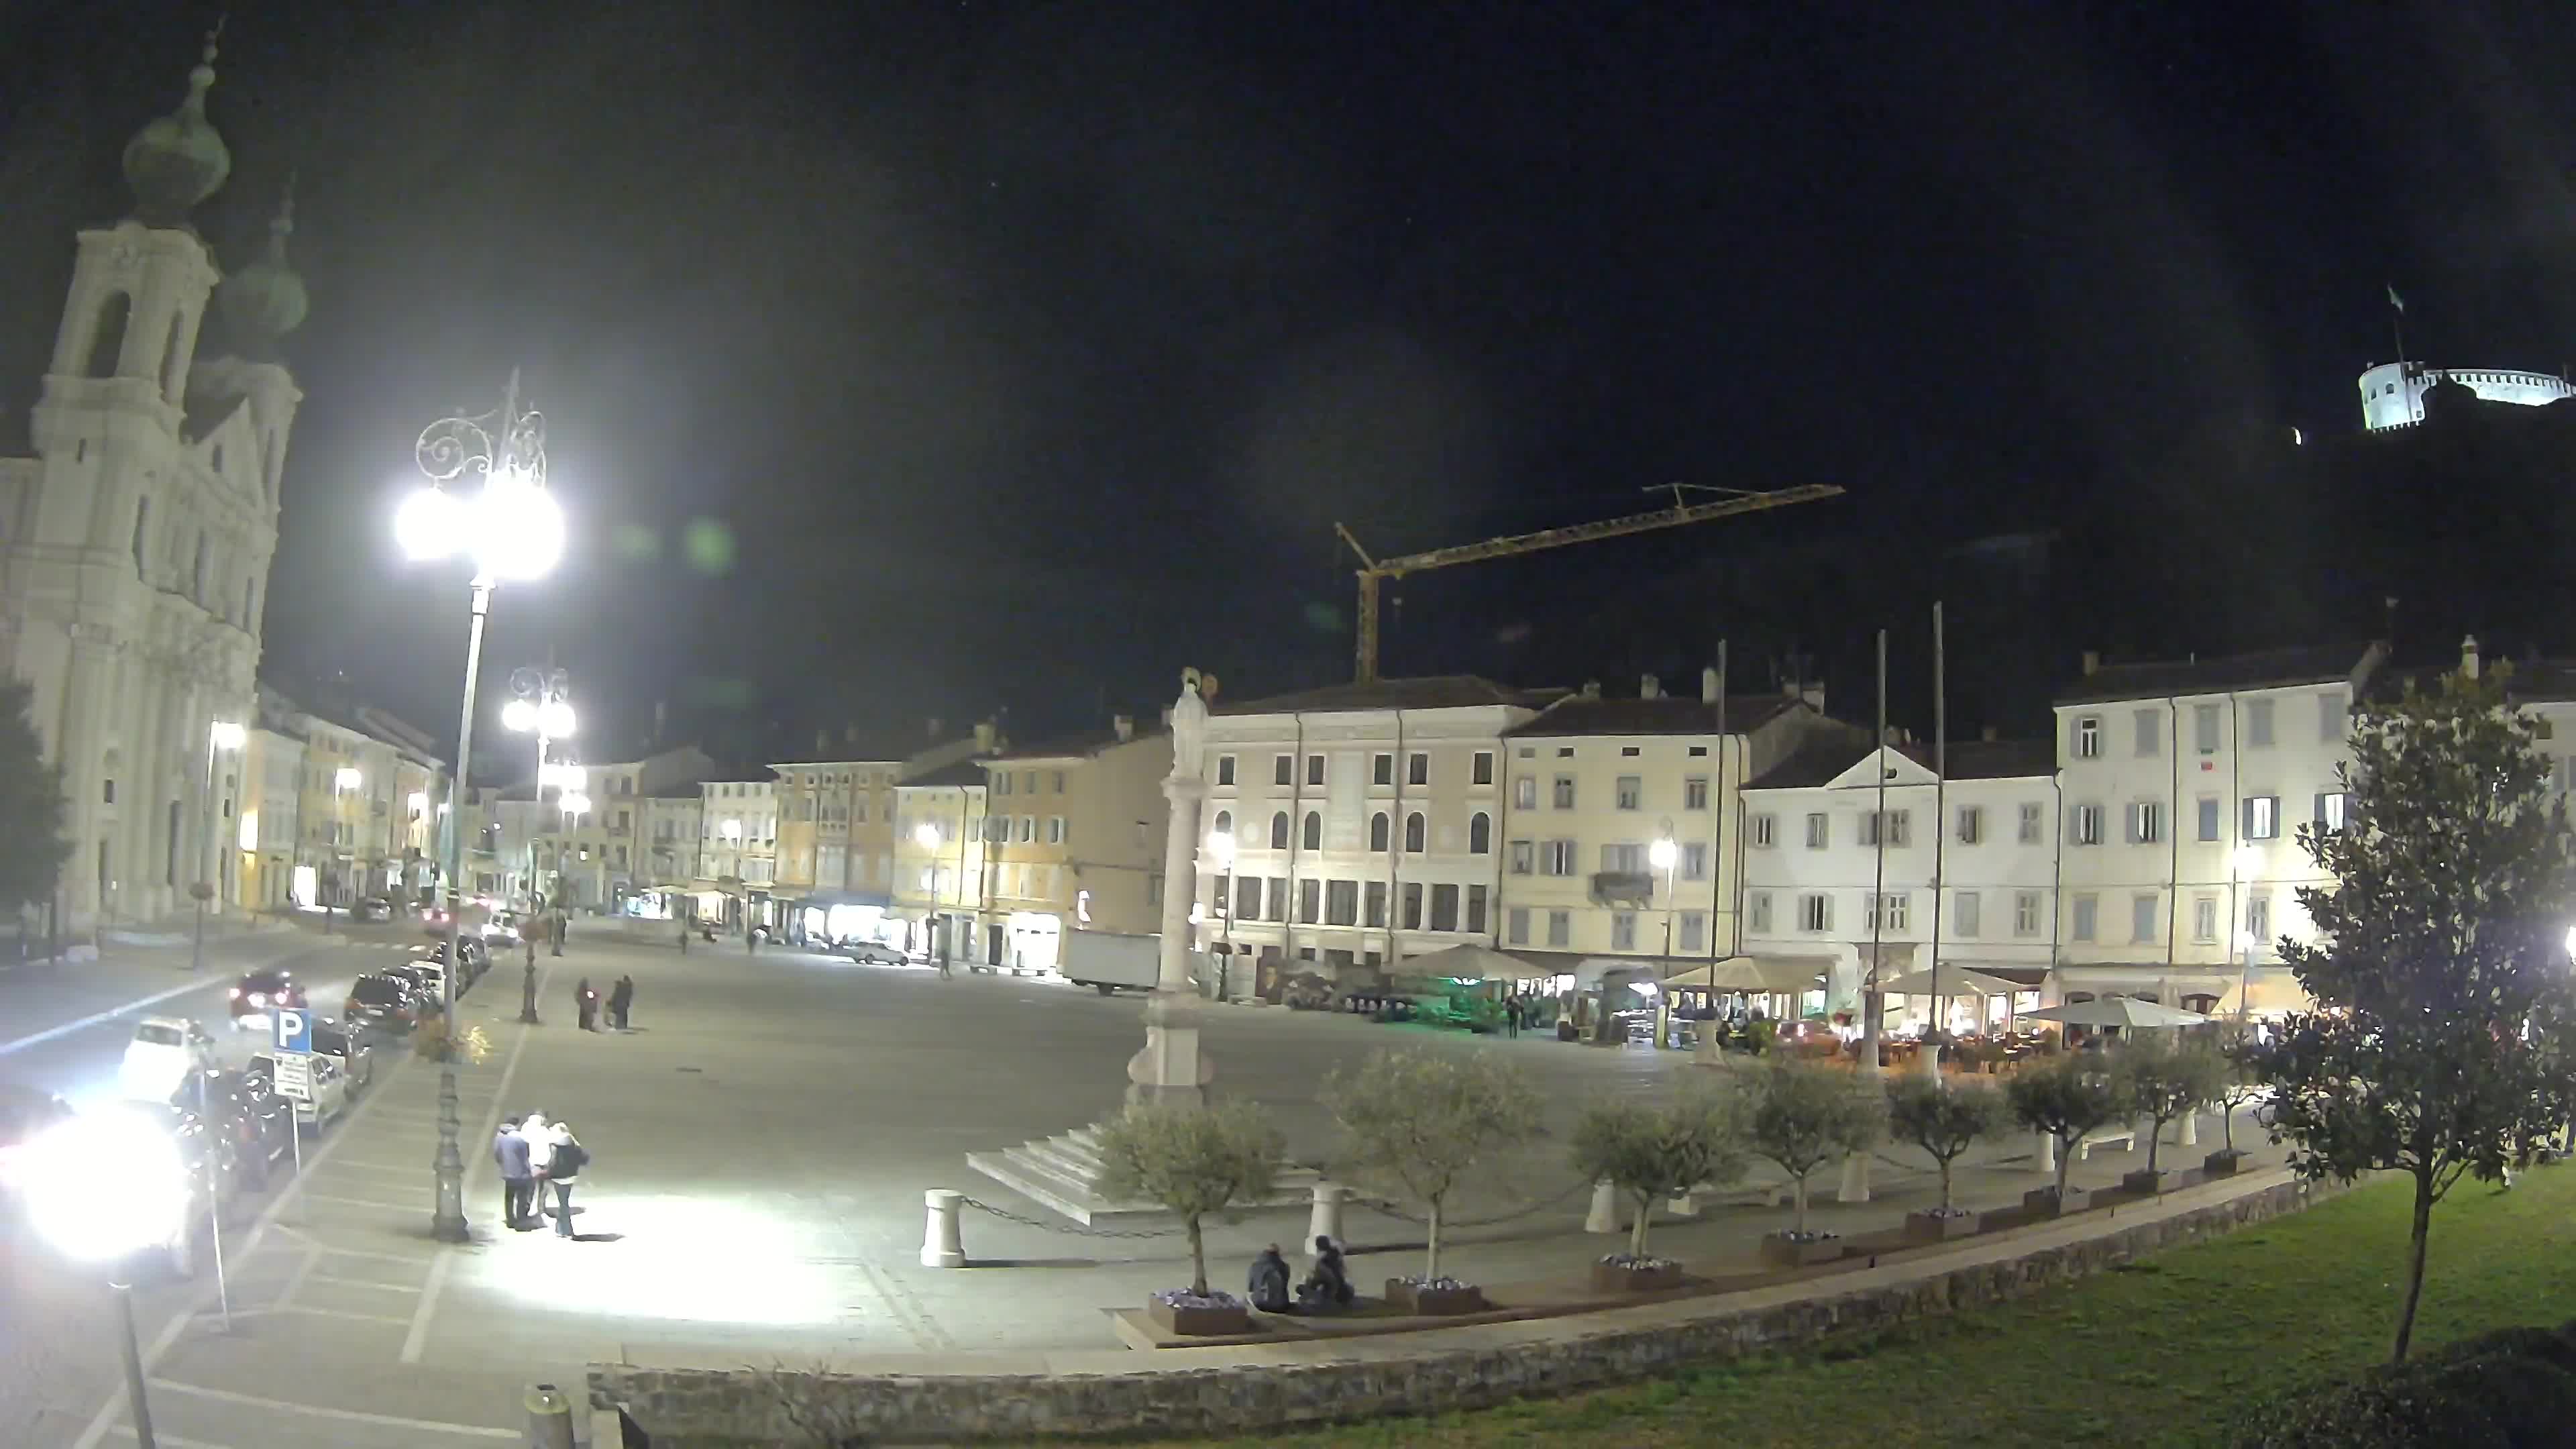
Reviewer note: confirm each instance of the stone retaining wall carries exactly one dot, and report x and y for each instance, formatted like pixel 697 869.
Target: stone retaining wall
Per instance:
pixel 727 1409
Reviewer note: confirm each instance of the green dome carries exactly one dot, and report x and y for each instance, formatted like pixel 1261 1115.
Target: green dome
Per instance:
pixel 177 160
pixel 266 300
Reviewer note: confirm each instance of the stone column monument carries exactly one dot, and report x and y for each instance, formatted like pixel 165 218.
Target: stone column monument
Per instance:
pixel 1171 1067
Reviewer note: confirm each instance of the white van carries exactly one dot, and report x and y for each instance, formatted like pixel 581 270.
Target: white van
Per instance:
pixel 165 1050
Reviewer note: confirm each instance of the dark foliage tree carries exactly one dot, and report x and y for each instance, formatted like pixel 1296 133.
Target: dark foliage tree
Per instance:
pixel 32 846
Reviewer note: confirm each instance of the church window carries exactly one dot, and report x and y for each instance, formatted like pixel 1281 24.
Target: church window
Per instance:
pixel 171 358
pixel 142 523
pixel 250 603
pixel 107 344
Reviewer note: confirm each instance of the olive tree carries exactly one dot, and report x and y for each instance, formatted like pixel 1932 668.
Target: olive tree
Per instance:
pixel 1804 1116
pixel 2240 1081
pixel 2065 1099
pixel 2439 963
pixel 1655 1149
pixel 2164 1081
pixel 1418 1123
pixel 1945 1121
pixel 1197 1161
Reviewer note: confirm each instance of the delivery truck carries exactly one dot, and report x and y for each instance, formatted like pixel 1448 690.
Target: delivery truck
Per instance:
pixel 1111 961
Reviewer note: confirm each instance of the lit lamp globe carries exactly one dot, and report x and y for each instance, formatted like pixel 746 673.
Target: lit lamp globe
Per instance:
pixel 576 804
pixel 926 835
pixel 555 718
pixel 228 735
pixel 1220 849
pixel 518 716
pixel 1662 854
pixel 102 1187
pixel 512 530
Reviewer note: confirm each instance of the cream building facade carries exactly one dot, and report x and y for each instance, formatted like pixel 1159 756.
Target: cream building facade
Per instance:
pixel 737 849
pixel 940 891
pixel 836 833
pixel 1075 842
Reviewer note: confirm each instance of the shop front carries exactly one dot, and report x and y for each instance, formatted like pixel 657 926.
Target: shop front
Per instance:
pixel 835 918
pixel 1032 941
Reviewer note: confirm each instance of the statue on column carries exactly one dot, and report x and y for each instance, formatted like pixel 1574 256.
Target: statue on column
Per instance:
pixel 1189 729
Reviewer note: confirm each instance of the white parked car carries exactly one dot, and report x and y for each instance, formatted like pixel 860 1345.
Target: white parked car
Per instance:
pixel 872 953
pixel 165 1051
pixel 330 1087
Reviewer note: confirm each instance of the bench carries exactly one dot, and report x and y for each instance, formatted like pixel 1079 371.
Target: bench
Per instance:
pixel 2127 1137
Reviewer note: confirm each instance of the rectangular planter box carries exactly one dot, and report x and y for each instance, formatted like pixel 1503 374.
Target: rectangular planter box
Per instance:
pixel 1783 1252
pixel 1933 1228
pixel 1433 1302
pixel 1211 1322
pixel 2222 1163
pixel 2150 1183
pixel 2043 1202
pixel 1611 1278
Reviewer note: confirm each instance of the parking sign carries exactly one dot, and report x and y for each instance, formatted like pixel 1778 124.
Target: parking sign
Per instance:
pixel 293 1076
pixel 294 1031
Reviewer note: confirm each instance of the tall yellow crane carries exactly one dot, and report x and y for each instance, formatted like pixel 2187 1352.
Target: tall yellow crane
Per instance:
pixel 1372 570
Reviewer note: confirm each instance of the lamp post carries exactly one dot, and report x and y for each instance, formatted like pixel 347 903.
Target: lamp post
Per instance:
pixel 926 835
pixel 509 527
pixel 102 1188
pixel 538 705
pixel 220 735
pixel 1221 846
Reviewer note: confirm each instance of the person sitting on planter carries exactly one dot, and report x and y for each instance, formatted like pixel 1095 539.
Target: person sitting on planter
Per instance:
pixel 1328 1283
pixel 1269 1285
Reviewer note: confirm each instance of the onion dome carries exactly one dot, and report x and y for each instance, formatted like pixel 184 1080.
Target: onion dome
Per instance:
pixel 264 301
pixel 177 160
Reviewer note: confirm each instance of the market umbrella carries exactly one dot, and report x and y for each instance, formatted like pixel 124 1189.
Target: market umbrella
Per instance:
pixel 1468 963
pixel 1955 981
pixel 1749 973
pixel 2116 1011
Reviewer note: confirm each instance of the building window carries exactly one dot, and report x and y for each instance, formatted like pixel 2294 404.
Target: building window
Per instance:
pixel 1444 907
pixel 1891 910
pixel 2330 716
pixel 1763 828
pixel 1899 829
pixel 1556 857
pixel 1373 904
pixel 1695 860
pixel 1310 901
pixel 170 856
pixel 2142 918
pixel 1624 859
pixel 1516 926
pixel 1378 828
pixel 1972 821
pixel 2086 825
pixel 1480 834
pixel 1483 769
pixel 1631 792
pixel 2088 738
pixel 1313 838
pixel 1414 833
pixel 1819 831
pixel 1476 897
pixel 2087 909
pixel 2204 919
pixel 1382 769
pixel 2208 822
pixel 2204 728
pixel 2026 913
pixel 1224 823
pixel 1055 830
pixel 1815 912
pixel 1565 792
pixel 1695 792
pixel 2263 817
pixel 1283 770
pixel 142 528
pixel 1417 770
pixel 1342 903
pixel 1694 932
pixel 2031 814
pixel 1002 783
pixel 1279 831
pixel 1525 793
pixel 2150 728
pixel 2330 810
pixel 1623 930
pixel 1964 912
pixel 2258 923
pixel 1314 769
pixel 1225 769
pixel 2258 723
pixel 1524 857
pixel 107 789
pixel 2146 822
pixel 1413 905
pixel 1757 910
pixel 1560 929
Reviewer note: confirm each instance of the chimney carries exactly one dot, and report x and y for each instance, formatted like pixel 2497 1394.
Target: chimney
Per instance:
pixel 983 737
pixel 822 743
pixel 1591 689
pixel 1125 725
pixel 934 729
pixel 1650 688
pixel 1708 685
pixel 1988 734
pixel 850 734
pixel 2469 657
pixel 2092 660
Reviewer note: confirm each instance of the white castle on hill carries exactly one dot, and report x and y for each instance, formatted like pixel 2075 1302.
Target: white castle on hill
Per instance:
pixel 2392 393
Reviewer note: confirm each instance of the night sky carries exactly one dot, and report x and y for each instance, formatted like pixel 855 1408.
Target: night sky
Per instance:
pixel 927 359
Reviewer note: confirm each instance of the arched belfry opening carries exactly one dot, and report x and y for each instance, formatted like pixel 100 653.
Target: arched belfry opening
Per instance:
pixel 107 341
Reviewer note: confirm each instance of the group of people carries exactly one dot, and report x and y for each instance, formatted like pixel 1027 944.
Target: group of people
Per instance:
pixel 1327 1284
pixel 621 1001
pixel 533 1155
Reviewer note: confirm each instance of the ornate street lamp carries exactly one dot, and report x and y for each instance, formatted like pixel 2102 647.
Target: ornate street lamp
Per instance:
pixel 486 500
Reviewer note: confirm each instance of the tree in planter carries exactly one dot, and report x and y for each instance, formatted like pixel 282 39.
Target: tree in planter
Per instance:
pixel 2065 1099
pixel 1653 1150
pixel 1196 1161
pixel 1420 1122
pixel 2162 1082
pixel 1945 1121
pixel 2439 962
pixel 33 848
pixel 1805 1116
pixel 2240 1081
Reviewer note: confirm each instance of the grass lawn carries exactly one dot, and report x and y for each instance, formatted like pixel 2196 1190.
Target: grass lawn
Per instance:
pixel 2162 1349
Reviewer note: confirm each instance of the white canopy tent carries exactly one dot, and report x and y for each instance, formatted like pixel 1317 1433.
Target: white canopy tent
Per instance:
pixel 2122 1011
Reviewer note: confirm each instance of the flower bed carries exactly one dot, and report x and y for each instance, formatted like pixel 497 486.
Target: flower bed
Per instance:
pixel 1800 1250
pixel 1938 1225
pixel 1434 1296
pixel 1180 1311
pixel 1620 1273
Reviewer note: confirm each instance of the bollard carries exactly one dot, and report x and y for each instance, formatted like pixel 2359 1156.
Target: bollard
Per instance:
pixel 549 1418
pixel 1324 1219
pixel 1604 1214
pixel 2191 1129
pixel 1684 1206
pixel 940 1245
pixel 2046 1156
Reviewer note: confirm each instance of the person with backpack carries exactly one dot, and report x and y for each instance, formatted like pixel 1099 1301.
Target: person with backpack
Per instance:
pixel 563 1168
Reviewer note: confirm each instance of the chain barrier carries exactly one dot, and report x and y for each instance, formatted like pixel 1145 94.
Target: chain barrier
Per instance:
pixel 1076 1231
pixel 1381 1205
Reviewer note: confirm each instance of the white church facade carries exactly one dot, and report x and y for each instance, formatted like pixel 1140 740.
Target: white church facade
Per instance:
pixel 135 544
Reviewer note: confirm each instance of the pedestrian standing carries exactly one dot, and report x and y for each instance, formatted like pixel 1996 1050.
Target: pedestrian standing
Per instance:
pixel 1512 1016
pixel 621 999
pixel 684 938
pixel 518 1180
pixel 563 1169
pixel 587 1002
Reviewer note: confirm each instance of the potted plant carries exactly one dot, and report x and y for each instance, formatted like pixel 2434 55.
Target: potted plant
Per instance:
pixel 1804 1116
pixel 1196 1161
pixel 2063 1099
pixel 1654 1150
pixel 1418 1123
pixel 2238 1083
pixel 1945 1121
pixel 2164 1083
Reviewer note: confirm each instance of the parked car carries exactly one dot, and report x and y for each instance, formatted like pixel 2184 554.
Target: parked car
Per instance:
pixel 212 1182
pixel 164 1051
pixel 390 1003
pixel 330 1087
pixel 469 950
pixel 373 908
pixel 349 1047
pixel 425 977
pixel 257 993
pixel 255 1123
pixel 24 1113
pixel 501 928
pixel 872 953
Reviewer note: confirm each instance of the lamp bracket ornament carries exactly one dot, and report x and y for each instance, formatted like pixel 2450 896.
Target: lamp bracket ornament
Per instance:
pixel 507 442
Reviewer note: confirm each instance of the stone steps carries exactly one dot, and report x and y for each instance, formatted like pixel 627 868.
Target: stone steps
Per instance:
pixel 1062 1173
